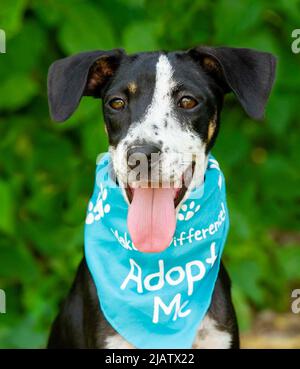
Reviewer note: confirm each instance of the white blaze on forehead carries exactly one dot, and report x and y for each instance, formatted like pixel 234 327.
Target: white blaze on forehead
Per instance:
pixel 161 102
pixel 151 127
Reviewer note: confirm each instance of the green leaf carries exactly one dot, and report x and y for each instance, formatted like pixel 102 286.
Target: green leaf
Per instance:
pixel 279 112
pixel 17 91
pixel 288 259
pixel 93 138
pixel 246 274
pixel 233 18
pixel 47 11
pixel 7 208
pixel 86 28
pixel 26 335
pixel 140 36
pixel 11 14
pixel 242 308
pixel 24 51
pixel 17 263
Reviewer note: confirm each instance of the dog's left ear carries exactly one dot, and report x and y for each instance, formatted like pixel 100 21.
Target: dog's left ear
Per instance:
pixel 248 73
pixel 84 74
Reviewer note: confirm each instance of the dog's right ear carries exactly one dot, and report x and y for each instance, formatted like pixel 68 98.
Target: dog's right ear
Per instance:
pixel 83 74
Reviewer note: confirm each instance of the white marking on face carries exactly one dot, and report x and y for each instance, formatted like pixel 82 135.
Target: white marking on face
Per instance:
pixel 160 125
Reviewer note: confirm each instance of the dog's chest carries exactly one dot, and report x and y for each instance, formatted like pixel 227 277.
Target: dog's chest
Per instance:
pixel 208 337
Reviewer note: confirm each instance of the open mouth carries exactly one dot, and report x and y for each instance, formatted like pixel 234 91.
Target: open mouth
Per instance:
pixel 180 192
pixel 151 217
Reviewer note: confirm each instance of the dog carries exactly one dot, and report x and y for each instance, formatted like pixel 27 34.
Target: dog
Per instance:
pixel 156 102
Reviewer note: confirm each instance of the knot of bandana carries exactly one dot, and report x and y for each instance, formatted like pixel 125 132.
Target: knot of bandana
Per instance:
pixel 156 300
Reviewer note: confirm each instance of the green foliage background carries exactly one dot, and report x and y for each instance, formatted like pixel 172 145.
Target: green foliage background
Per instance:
pixel 47 170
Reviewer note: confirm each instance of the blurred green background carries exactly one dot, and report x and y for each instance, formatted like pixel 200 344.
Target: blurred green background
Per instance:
pixel 47 169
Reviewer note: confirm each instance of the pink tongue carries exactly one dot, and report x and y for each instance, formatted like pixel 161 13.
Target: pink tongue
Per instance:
pixel 151 218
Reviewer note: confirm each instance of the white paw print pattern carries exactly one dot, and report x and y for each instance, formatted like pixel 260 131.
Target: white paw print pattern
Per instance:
pixel 188 211
pixel 95 213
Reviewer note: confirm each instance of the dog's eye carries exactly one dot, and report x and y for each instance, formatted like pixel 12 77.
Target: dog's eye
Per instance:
pixel 117 104
pixel 187 102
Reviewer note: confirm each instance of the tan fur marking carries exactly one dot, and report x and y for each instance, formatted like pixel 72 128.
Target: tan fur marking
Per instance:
pixel 212 127
pixel 104 67
pixel 132 87
pixel 100 71
pixel 210 64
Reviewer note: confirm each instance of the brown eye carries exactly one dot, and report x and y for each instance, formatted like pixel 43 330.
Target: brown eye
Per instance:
pixel 117 104
pixel 187 102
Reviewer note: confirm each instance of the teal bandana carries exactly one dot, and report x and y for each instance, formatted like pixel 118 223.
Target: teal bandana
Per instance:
pixel 156 300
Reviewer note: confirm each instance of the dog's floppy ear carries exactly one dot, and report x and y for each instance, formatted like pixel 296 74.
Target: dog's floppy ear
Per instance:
pixel 248 73
pixel 83 74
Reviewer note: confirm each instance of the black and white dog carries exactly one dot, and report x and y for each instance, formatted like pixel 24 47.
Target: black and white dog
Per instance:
pixel 156 102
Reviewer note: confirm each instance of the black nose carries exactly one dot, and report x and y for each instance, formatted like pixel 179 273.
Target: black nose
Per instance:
pixel 139 152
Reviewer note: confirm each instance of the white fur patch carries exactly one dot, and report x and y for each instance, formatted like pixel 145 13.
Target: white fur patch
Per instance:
pixel 209 337
pixel 117 342
pixel 160 125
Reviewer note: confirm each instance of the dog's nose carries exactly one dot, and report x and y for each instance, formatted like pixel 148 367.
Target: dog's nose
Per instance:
pixel 139 152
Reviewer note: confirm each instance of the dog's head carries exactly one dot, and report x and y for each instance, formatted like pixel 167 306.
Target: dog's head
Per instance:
pixel 161 110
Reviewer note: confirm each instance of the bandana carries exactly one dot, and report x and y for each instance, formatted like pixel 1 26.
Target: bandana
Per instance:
pixel 156 300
